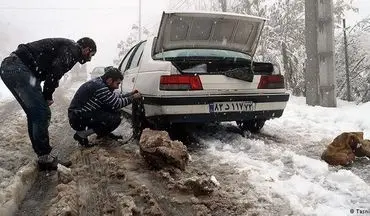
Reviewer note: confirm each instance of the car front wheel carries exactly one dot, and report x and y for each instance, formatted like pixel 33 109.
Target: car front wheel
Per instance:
pixel 253 126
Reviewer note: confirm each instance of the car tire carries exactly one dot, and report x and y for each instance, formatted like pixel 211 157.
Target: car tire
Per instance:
pixel 254 126
pixel 138 119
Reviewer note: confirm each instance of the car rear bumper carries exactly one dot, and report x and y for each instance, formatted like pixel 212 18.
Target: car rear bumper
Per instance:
pixel 201 109
pixel 219 117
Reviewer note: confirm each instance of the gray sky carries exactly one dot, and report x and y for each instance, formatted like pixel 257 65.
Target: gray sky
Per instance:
pixel 364 6
pixel 107 22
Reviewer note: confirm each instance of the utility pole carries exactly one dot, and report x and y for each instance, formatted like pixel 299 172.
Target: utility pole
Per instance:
pixel 139 20
pixel 311 65
pixel 320 71
pixel 346 60
pixel 325 45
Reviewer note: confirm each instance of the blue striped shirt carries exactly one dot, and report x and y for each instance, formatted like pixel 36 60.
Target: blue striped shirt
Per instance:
pixel 96 95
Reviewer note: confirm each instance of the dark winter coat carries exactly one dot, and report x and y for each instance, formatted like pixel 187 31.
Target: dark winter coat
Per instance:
pixel 49 59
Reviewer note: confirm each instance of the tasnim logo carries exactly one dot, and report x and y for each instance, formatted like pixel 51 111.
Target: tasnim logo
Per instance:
pixel 360 211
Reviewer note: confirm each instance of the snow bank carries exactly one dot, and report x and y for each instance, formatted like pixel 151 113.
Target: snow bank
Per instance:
pixel 12 196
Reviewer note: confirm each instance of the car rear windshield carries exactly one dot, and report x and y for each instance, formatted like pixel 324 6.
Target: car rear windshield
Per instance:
pixel 200 53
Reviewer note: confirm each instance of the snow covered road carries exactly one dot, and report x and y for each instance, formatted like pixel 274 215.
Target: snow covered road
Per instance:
pixel 283 162
pixel 279 170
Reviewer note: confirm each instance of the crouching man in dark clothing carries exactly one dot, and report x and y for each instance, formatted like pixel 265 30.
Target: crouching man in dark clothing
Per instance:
pixel 95 108
pixel 23 71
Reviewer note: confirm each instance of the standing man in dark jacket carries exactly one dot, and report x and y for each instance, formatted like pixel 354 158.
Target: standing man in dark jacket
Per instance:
pixel 95 108
pixel 22 72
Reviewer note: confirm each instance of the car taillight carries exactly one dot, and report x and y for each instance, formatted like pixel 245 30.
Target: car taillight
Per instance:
pixel 180 82
pixel 271 82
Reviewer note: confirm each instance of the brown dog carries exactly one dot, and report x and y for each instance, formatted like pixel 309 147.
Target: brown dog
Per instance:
pixel 343 149
pixel 364 149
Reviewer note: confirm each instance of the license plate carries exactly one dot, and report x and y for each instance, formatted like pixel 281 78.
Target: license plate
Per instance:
pixel 237 106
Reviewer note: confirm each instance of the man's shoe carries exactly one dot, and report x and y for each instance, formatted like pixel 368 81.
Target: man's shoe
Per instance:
pixel 82 141
pixel 66 163
pixel 50 162
pixel 47 162
pixel 110 136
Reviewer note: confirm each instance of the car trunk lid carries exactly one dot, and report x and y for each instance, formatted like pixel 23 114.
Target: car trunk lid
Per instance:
pixel 224 31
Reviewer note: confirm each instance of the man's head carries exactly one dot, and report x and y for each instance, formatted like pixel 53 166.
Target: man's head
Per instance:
pixel 112 77
pixel 88 48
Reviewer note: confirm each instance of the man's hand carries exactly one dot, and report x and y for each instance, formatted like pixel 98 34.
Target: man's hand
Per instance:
pixel 136 95
pixel 50 102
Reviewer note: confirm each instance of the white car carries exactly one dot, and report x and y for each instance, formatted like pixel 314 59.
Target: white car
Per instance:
pixel 200 69
pixel 97 72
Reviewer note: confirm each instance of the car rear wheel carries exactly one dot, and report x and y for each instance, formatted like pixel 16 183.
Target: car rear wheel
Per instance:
pixel 253 126
pixel 138 119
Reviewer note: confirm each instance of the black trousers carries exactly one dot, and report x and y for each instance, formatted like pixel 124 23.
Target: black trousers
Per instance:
pixel 27 91
pixel 101 122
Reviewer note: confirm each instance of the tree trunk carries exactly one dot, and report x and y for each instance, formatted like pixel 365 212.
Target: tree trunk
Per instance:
pixel 346 61
pixel 287 69
pixel 223 5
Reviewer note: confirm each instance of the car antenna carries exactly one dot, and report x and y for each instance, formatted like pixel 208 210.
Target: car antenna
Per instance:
pixel 164 58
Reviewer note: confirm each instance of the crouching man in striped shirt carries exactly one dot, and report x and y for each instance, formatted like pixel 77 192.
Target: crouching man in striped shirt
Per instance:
pixel 95 108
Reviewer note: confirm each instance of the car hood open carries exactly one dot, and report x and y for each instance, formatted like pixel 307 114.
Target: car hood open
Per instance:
pixel 209 31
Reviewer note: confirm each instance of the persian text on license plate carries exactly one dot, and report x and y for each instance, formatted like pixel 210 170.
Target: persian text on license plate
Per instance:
pixel 237 106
